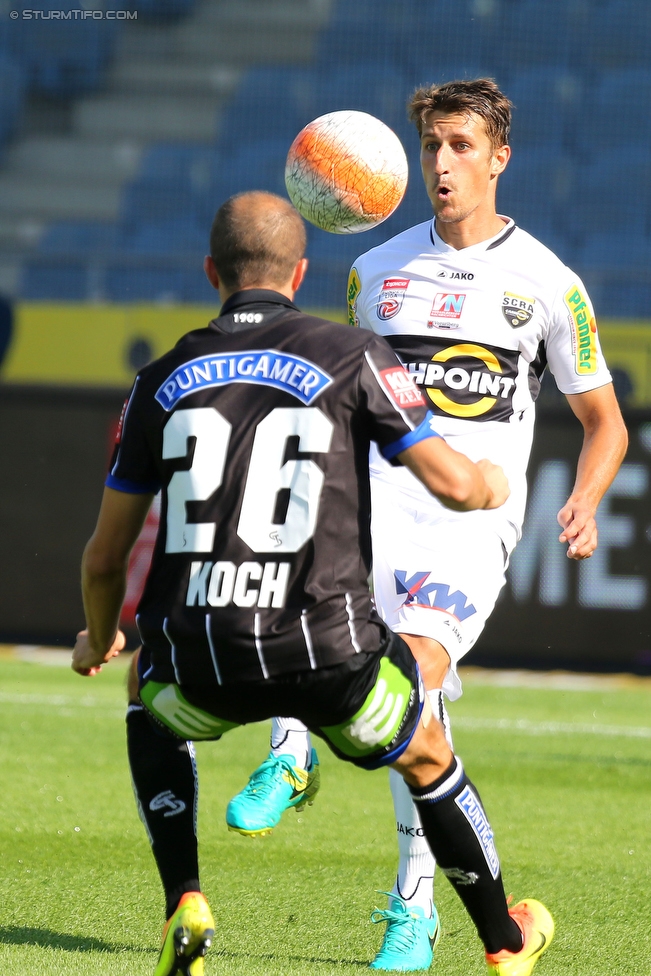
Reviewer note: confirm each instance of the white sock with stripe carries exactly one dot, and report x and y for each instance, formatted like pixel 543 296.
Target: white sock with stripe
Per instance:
pixel 416 865
pixel 290 736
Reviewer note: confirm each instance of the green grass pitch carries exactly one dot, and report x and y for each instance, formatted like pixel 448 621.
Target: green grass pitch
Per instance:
pixel 565 776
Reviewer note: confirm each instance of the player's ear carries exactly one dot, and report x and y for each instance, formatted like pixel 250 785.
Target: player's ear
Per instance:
pixel 501 157
pixel 299 274
pixel 211 271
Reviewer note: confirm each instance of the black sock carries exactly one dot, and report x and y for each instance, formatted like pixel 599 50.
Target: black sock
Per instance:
pixel 461 840
pixel 165 784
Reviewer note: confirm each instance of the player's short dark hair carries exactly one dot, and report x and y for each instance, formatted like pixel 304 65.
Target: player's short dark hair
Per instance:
pixel 482 97
pixel 256 238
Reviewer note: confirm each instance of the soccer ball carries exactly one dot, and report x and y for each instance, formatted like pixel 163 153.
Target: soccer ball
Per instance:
pixel 346 172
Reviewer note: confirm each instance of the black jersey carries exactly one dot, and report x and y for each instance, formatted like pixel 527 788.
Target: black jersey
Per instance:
pixel 257 431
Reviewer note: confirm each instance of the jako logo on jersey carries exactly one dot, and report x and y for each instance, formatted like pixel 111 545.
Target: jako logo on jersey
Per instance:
pixel 248 585
pixel 354 288
pixel 584 332
pixel 391 297
pixel 447 308
pixel 469 804
pixel 167 800
pixel 401 388
pixel 466 380
pixel 420 593
pixel 517 310
pixel 267 367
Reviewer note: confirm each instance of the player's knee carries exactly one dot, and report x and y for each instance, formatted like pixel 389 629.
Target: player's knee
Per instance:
pixel 132 679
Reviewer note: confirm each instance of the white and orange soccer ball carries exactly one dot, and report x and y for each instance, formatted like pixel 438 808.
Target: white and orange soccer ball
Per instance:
pixel 346 172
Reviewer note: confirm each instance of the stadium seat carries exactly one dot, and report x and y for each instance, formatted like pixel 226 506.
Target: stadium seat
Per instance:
pixel 536 190
pixel 620 34
pixel 616 112
pixel 167 237
pixel 79 238
pixel 12 94
pixel 450 33
pixel 546 101
pixel 56 281
pixel 269 103
pixel 534 32
pixel 163 11
pixel 63 58
pixel 144 284
pixel 614 189
pixel 278 102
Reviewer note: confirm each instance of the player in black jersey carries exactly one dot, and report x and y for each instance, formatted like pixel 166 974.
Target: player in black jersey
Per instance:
pixel 257 431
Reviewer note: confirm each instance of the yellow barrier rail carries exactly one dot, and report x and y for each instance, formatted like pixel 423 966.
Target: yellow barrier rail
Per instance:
pixel 103 345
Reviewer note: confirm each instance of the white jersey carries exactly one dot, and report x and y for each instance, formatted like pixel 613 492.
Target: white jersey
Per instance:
pixel 476 327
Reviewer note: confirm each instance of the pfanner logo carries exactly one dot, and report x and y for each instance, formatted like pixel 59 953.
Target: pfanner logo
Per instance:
pixel 265 367
pixel 584 332
pixel 354 288
pixel 472 809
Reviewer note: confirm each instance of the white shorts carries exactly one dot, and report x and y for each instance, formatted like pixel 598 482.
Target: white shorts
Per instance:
pixel 434 577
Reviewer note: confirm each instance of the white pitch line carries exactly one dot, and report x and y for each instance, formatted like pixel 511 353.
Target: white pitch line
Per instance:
pixel 55 701
pixel 549 728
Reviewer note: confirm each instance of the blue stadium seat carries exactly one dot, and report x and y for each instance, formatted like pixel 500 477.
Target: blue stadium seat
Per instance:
pixel 167 237
pixel 620 34
pixel 12 94
pixel 144 284
pixel 536 190
pixel 535 32
pixel 546 101
pixel 621 252
pixel 164 11
pixel 197 290
pixel 269 102
pixel 63 58
pixel 55 282
pixel 79 238
pixel 613 188
pixel 278 102
pixel 450 33
pixel 616 112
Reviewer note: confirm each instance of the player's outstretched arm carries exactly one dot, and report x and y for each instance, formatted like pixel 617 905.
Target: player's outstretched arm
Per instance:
pixel 103 577
pixel 454 479
pixel 604 445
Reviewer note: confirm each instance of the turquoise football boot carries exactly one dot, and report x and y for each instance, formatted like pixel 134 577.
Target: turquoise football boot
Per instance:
pixel 410 937
pixel 274 787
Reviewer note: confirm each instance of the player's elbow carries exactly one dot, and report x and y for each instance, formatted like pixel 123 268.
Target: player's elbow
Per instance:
pixel 100 563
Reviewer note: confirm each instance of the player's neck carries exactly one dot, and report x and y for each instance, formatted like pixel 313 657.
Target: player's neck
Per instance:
pixel 473 229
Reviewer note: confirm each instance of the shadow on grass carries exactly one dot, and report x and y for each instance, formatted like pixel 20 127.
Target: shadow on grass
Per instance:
pixel 279 958
pixel 47 939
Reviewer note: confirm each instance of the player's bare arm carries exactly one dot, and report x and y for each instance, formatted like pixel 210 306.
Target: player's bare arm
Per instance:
pixel 104 574
pixel 604 445
pixel 454 479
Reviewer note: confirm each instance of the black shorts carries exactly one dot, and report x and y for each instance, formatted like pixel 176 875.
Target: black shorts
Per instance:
pixel 367 709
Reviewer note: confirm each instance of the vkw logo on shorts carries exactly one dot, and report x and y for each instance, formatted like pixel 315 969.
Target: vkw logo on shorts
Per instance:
pixel 391 297
pixel 517 310
pixel 446 311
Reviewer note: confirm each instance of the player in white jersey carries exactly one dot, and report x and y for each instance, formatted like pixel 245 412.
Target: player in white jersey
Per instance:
pixel 476 308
